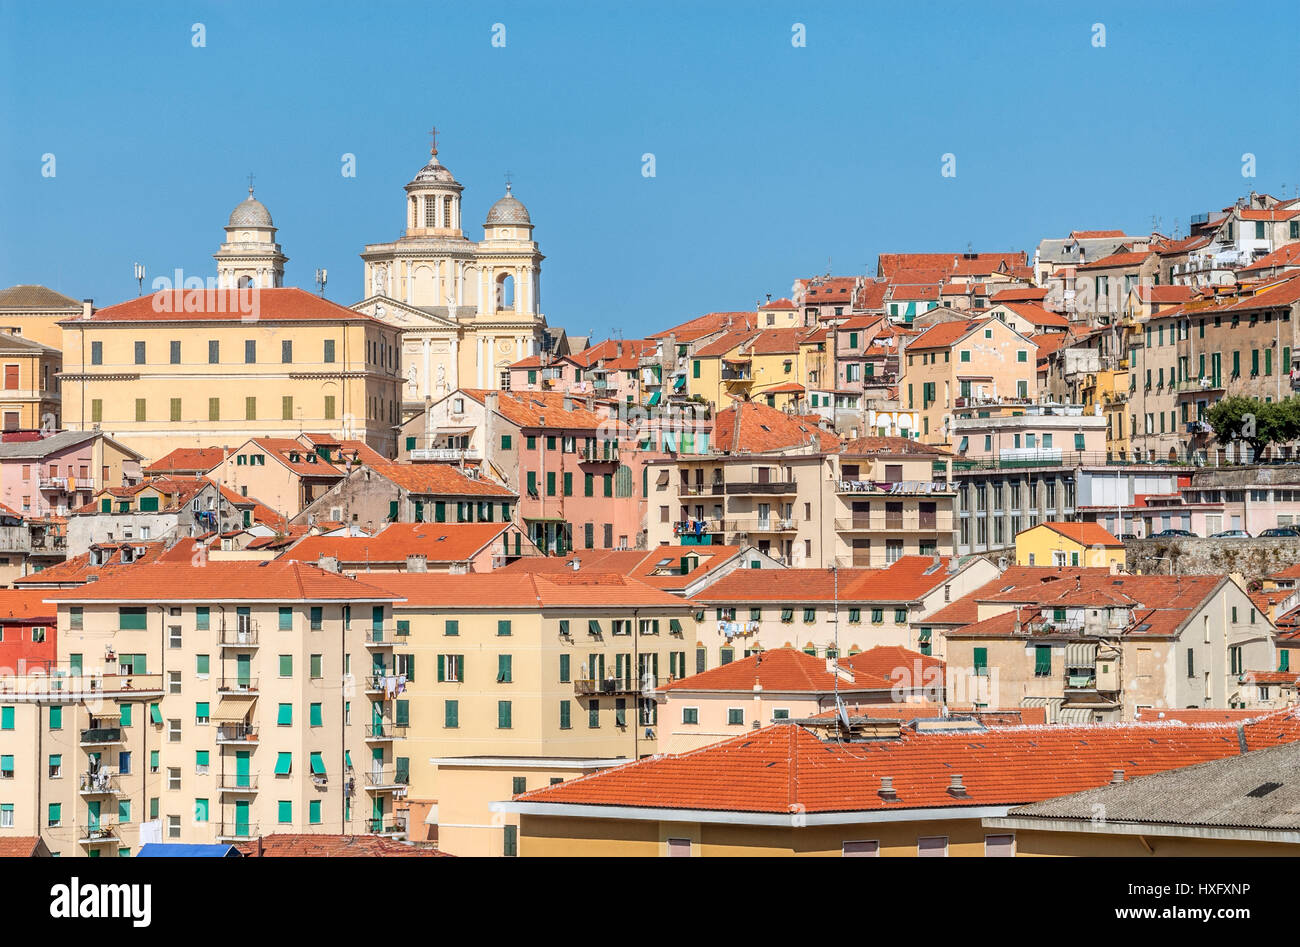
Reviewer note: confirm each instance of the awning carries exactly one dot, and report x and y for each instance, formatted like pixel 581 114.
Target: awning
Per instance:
pixel 680 382
pixel 662 478
pixel 654 397
pixel 1074 715
pixel 233 709
pixel 1081 655
pixel 1053 705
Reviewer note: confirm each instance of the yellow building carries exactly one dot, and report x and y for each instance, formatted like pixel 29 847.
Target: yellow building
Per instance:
pixel 29 383
pixel 964 364
pixel 36 311
pixel 1109 388
pixel 1069 544
pixel 744 364
pixel 192 368
pixel 531 667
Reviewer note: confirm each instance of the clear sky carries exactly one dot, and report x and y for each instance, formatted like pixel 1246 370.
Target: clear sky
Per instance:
pixel 772 161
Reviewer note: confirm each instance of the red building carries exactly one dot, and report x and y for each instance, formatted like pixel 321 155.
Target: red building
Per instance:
pixel 28 634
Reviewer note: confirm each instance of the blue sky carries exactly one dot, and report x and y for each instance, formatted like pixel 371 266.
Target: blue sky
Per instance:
pixel 772 162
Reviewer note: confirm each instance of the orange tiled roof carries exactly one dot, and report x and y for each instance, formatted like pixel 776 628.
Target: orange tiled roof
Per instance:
pixel 708 324
pixel 437 542
pixel 1164 294
pixel 78 569
pixel 540 409
pixel 439 480
pixel 239 580
pixel 21 605
pixel 944 334
pixel 284 449
pixel 1036 315
pixel 782 303
pixel 1089 534
pixel 1018 294
pixel 332 846
pixel 19 846
pixel 1116 259
pixel 903 581
pixel 754 427
pixel 286 304
pixel 1288 255
pixel 786 768
pixel 891 446
pixel 898 665
pixel 503 588
pixel 1196 715
pixel 186 460
pixel 1094 234
pixel 785 670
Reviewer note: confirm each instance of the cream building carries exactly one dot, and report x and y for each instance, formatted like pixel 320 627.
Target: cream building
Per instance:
pixel 467 310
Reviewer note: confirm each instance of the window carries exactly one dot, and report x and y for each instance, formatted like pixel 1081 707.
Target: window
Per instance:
pixel 284 811
pixel 503 627
pixel 935 846
pixel 286 351
pixel 201 761
pixel 284 716
pixel 173 777
pixel 860 849
pixel 503 715
pixel 451 714
pixel 593 714
pixel 286 408
pixel 504 668
pixel 202 665
pixel 999 846
pixel 510 844
pixel 214 409
pixel 329 350
pixel 316 669
pixel 6 767
pixel 173 826
pixel 690 715
pixel 201 712
pixel 286 665
pixel 56 766
pixel 735 716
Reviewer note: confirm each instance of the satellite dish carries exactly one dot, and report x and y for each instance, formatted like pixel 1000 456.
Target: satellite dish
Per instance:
pixel 842 712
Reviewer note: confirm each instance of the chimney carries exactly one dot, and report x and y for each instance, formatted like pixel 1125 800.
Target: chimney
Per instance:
pixel 887 789
pixel 1114 567
pixel 1117 777
pixel 574 564
pixel 87 308
pixel 620 348
pixel 955 787
pixel 328 563
pixel 492 401
pixel 568 403
pixel 417 562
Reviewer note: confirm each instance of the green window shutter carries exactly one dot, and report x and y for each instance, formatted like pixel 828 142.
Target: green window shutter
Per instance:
pixel 568 484
pixel 125 711
pixel 131 619
pixel 403 628
pixel 726 655
pixel 284 811
pixel 317 618
pixel 695 369
pixel 286 618
pixel 503 714
pixel 1284 659
pixel 402 713
pixel 1042 661
pixel 202 618
pixel 503 627
pixel 564 668
pixel 566 719
pixel 283 764
pixel 155 715
pixel 451 714
pixel 201 757
pixel 202 710
pixel 202 664
pixel 504 668
pixel 317 764
pixel 316 715
pixel 453 628
pixel 286 665
pixel 6 718
pixel 442 668
pixel 56 718
pixel 317 671
pixel 980 659
pixel 313 812
pixel 284 716
pixel 505 442
pixel 510 847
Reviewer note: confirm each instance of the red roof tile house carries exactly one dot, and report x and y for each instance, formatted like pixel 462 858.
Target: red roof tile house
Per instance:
pixel 417 547
pixel 889 790
pixel 768 686
pixel 1092 645
pixel 285 473
pixel 1069 544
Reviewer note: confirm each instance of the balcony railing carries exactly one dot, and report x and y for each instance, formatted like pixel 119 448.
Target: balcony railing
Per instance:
pixel 909 521
pixel 246 686
pixel 95 736
pixel 235 832
pixel 99 784
pixel 606 453
pixel 387 778
pixel 236 782
pixel 67 484
pixel 445 454
pixel 238 636
pixel 897 487
pixel 767 487
pixel 236 733
pixel 384 730
pixel 385 827
pixel 614 685
pixel 98 834
pixel 700 489
pixel 381 637
pixel 760 524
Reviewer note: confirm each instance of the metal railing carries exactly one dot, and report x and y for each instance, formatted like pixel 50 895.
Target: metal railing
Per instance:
pixel 763 487
pixel 917 488
pixel 387 778
pixel 236 782
pixel 614 685
pixel 248 686
pixel 234 830
pixel 597 454
pixel 94 735
pixel 238 635
pixel 236 733
pixel 103 832
pixel 385 827
pixel 101 783
pixel 452 454
pixel 384 730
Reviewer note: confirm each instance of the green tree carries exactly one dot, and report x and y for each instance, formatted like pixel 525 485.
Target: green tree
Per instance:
pixel 1255 422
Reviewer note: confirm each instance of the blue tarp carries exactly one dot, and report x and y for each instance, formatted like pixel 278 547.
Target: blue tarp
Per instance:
pixel 159 850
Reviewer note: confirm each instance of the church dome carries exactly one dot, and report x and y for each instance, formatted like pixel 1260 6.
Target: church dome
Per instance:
pixel 250 213
pixel 508 210
pixel 433 173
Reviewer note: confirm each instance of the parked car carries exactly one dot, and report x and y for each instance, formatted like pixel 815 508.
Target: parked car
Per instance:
pixel 1278 531
pixel 1171 533
pixel 1231 534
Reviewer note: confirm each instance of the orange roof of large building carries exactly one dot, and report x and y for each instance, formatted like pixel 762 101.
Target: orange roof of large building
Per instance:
pixel 187 460
pixel 508 589
pixel 782 670
pixel 898 665
pixel 660 567
pixel 437 542
pixel 282 304
pixel 708 324
pixel 903 581
pixel 1089 534
pixel 25 605
pixel 1123 258
pixel 944 334
pixel 1197 715
pixel 753 427
pixel 1036 315
pixel 541 409
pixel 223 580
pixel 103 559
pixel 1288 255
pixel 785 769
pixel 439 480
pixel 19 846
pixel 289 845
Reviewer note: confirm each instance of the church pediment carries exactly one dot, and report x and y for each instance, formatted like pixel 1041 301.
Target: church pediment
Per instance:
pixel 397 313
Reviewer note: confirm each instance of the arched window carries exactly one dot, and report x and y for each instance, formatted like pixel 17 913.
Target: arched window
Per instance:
pixel 245 282
pixel 431 212
pixel 505 291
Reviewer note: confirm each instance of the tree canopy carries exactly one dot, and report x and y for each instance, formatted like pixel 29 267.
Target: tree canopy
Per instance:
pixel 1257 423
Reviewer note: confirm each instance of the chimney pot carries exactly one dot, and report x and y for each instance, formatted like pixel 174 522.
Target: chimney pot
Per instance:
pixel 1117 777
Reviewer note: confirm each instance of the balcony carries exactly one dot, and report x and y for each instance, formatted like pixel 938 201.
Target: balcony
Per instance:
pixel 381 637
pixel 246 686
pixel 389 827
pixel 380 731
pixel 760 524
pixel 387 779
pixel 99 784
pixel 910 521
pixel 242 636
pixel 237 783
pixel 445 454
pixel 237 831
pixel 107 732
pixel 617 686
pixel 236 733
pixel 897 487
pixel 700 489
pixel 606 453
pixel 762 488
pixel 67 484
pixel 98 834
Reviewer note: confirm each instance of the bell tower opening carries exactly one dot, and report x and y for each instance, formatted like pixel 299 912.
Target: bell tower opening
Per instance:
pixel 505 292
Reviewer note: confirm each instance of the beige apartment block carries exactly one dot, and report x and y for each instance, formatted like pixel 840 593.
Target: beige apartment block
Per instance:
pixel 530 666
pixel 249 698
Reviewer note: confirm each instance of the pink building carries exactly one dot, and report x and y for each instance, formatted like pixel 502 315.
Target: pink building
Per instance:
pixel 50 475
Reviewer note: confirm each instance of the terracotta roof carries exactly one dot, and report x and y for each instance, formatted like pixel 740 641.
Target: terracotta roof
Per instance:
pixel 644 566
pixel 437 542
pixel 783 670
pixel 608 350
pixel 898 665
pixel 1018 294
pixel 903 581
pixel 890 264
pixel 1266 213
pixel 1117 259
pixel 78 569
pixel 345 448
pixel 1272 677
pixel 1288 255
pixel 786 768
pixel 1094 234
pixel 945 334
pixel 285 449
pixel 29 296
pixel 754 427
pixel 924 710
pixel 186 460
pixel 176 492
pixel 1089 534
pixel 789 387
pixel 332 846
pixel 1195 715
pixel 19 846
pixel 541 409
pixel 1037 315
pixel 223 580
pixel 503 588
pixel 708 324
pixel 782 303
pixel 22 605
pixel 287 304
pixel 889 446
pixel 1164 294
pixel 438 480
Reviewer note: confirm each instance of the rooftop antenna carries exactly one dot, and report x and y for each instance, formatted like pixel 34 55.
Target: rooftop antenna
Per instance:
pixel 139 278
pixel 322 277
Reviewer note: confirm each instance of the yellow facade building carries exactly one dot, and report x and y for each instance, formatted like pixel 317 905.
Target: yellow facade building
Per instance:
pixel 1069 544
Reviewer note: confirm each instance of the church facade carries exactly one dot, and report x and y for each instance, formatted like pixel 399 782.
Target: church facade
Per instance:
pixel 467 310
